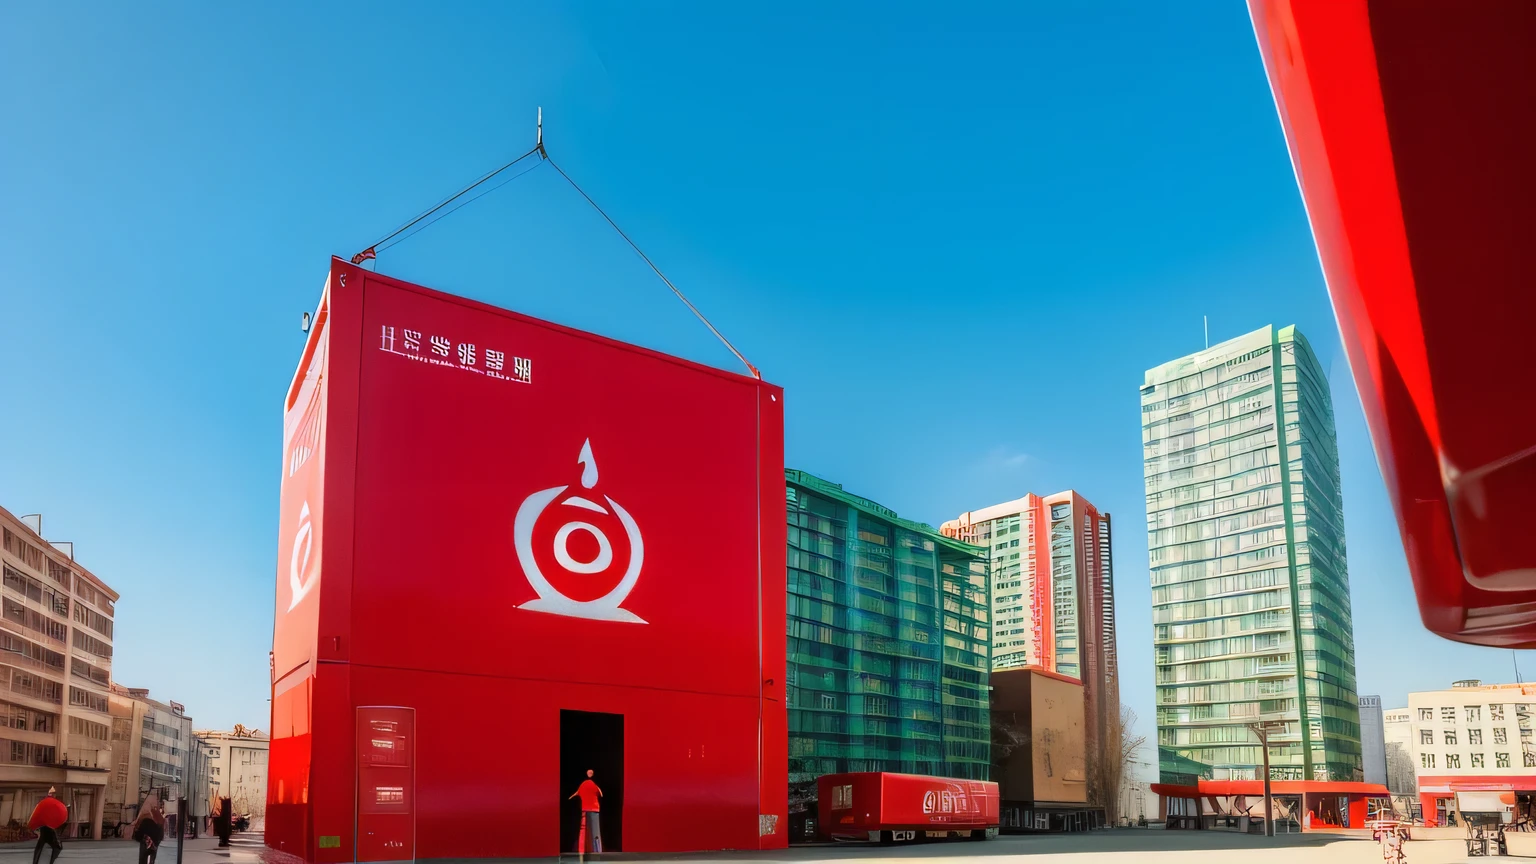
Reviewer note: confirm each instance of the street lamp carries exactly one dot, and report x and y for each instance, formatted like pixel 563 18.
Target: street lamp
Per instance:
pixel 1263 730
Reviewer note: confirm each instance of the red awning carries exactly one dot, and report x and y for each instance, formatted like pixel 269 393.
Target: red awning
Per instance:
pixel 1226 788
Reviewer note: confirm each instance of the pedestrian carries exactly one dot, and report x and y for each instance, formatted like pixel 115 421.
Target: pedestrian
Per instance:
pixel 149 828
pixel 591 825
pixel 48 817
pixel 223 821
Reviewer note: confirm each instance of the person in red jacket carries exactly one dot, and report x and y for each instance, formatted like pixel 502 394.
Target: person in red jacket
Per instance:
pixel 48 816
pixel 591 827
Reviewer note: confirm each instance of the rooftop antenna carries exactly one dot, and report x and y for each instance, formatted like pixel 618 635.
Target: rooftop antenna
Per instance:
pixel 539 135
pixel 1515 656
pixel 1207 320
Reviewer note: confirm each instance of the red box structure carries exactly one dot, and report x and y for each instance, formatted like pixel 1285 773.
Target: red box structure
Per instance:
pixel 882 805
pixel 488 520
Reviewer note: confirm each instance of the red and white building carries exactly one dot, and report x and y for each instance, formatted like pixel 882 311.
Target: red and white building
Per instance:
pixel 1473 749
pixel 1053 596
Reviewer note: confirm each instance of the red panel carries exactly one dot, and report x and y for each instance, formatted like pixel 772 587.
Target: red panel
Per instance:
pixel 879 801
pixel 386 784
pixel 453 458
pixel 774 769
pixel 1417 181
pixel 524 520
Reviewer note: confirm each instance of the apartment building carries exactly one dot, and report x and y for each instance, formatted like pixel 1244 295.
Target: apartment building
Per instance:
pixel 55 674
pixel 151 750
pixel 1470 742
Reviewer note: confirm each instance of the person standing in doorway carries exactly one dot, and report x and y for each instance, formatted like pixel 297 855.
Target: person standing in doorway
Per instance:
pixel 48 817
pixel 591 825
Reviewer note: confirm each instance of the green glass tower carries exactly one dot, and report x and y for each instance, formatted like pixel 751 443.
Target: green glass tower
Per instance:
pixel 889 643
pixel 1250 590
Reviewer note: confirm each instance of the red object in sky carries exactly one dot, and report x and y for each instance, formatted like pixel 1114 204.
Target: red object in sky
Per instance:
pixel 861 804
pixel 1409 130
pixel 51 812
pixel 488 519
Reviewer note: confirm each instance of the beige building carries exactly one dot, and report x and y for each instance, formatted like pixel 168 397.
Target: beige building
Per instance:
pixel 1474 748
pixel 151 748
pixel 55 673
pixel 237 769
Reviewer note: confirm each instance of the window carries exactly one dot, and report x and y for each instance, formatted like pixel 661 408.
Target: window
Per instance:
pixel 1501 760
pixel 1452 760
pixel 1474 713
pixel 1450 737
pixel 1426 736
pixel 1530 758
pixel 1448 714
pixel 87 699
pixel 1427 760
pixel 1496 711
pixel 1477 760
pixel 1501 735
pixel 1474 736
pixel 1426 714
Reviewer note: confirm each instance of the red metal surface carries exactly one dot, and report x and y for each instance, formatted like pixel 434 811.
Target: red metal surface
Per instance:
pixel 877 801
pixel 1413 159
pixel 427 602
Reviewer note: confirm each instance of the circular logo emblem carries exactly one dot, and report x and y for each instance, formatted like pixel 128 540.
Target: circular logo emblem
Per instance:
pixel 582 561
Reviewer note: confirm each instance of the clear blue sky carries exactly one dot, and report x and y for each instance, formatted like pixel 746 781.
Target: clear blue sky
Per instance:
pixel 956 235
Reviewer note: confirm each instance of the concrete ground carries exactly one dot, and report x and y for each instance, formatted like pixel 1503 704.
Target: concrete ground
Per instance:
pixel 1101 847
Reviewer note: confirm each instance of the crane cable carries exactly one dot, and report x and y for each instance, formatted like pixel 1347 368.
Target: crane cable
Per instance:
pixel 372 251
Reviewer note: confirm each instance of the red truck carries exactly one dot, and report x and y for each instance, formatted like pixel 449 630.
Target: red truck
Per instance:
pixel 892 808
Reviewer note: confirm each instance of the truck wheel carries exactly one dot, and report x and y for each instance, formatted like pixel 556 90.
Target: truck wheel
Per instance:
pixel 887 838
pixel 979 834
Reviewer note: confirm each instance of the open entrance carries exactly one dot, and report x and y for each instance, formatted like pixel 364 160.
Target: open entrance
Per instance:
pixel 594 742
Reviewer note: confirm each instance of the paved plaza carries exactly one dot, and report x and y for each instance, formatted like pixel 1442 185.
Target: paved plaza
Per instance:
pixel 1158 847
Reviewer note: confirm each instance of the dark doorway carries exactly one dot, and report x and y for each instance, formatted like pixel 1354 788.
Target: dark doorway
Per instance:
pixel 592 742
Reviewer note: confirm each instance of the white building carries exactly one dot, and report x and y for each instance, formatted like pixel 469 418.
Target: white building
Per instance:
pixel 1471 744
pixel 1397 736
pixel 237 769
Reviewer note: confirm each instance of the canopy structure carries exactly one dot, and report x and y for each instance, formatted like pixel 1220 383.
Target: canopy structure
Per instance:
pixel 1409 129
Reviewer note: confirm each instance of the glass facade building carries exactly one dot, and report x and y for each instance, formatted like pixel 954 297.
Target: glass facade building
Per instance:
pixel 889 641
pixel 1250 590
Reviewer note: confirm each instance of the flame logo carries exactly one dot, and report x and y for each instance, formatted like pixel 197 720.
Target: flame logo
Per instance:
pixel 550 599
pixel 298 562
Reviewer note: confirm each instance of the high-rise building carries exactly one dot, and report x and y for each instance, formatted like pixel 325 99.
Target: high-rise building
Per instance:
pixel 54 679
pixel 1373 740
pixel 889 643
pixel 1053 601
pixel 1250 590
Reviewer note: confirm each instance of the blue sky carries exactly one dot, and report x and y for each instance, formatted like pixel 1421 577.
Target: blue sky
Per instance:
pixel 956 236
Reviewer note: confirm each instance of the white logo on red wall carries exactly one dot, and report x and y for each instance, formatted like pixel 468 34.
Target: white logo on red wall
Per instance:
pixel 593 580
pixel 299 581
pixel 938 802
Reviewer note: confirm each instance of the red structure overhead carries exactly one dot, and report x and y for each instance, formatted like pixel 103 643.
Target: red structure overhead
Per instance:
pixel 511 552
pixel 1410 130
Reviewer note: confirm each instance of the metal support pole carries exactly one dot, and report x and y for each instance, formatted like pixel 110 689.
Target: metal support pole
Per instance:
pixel 181 827
pixel 1269 813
